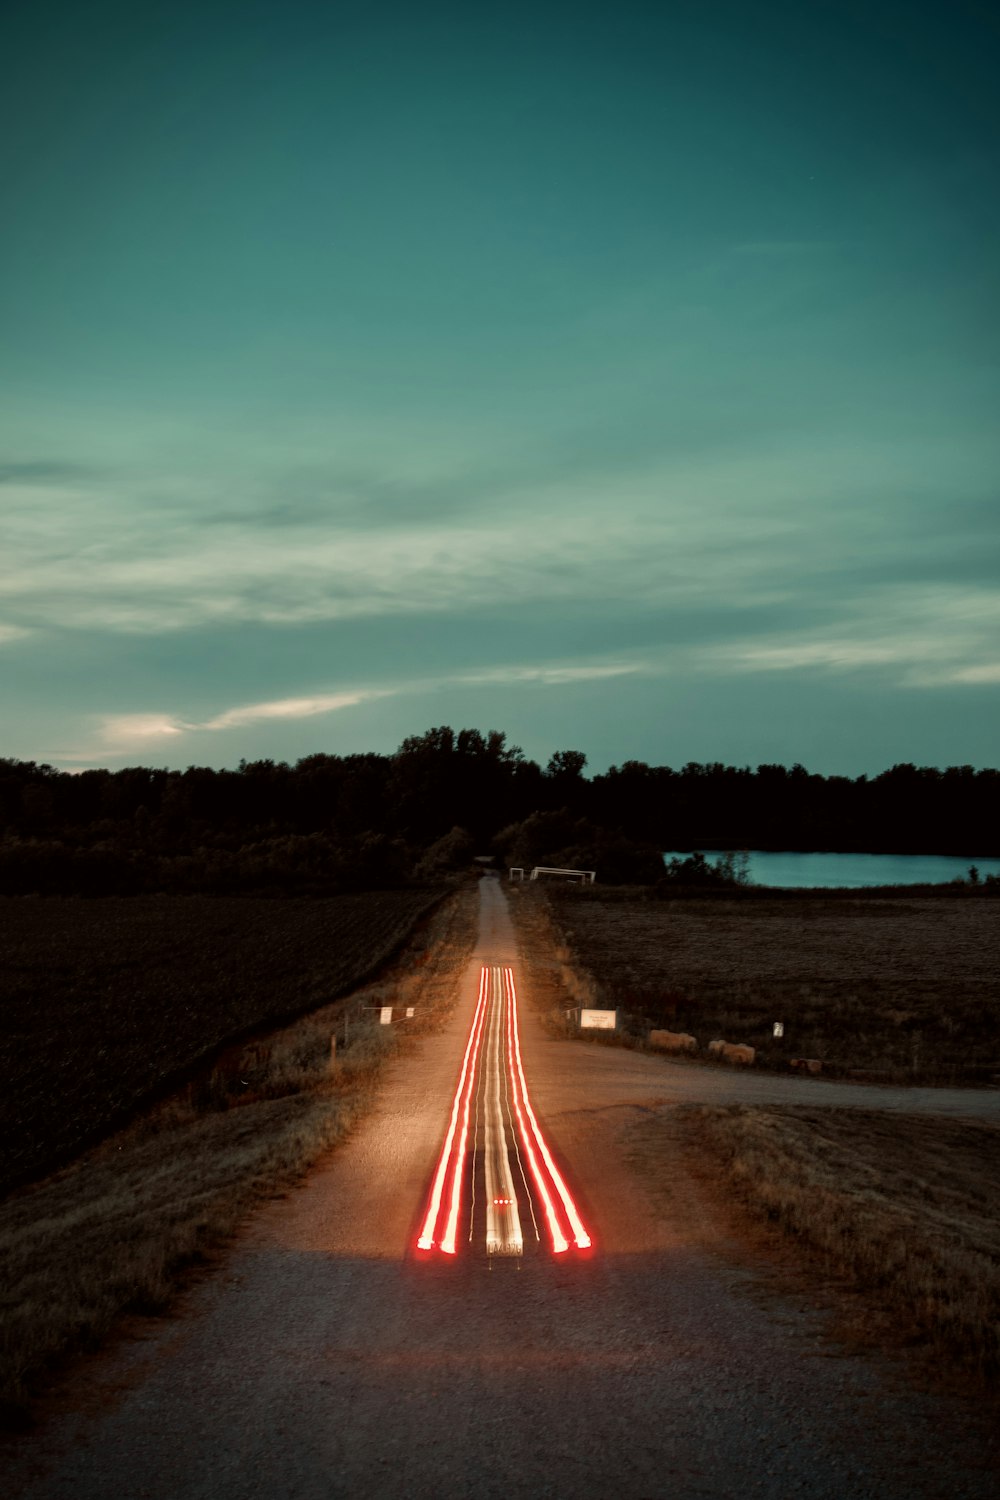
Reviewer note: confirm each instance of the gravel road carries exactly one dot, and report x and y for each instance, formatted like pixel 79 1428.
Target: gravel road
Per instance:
pixel 324 1360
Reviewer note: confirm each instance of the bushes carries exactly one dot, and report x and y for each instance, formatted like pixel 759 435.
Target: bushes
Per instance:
pixel 560 839
pixel 307 864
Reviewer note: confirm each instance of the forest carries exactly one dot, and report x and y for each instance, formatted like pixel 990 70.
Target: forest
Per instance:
pixel 365 821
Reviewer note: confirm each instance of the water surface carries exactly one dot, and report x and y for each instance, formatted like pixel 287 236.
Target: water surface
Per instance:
pixel 790 869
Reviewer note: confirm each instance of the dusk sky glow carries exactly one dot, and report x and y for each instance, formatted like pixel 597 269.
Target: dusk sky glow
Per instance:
pixel 622 377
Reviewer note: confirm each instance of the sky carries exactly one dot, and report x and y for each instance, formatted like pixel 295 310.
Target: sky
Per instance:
pixel 621 376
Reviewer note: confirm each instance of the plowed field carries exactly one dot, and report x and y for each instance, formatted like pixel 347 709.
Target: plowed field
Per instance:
pixel 905 989
pixel 104 1001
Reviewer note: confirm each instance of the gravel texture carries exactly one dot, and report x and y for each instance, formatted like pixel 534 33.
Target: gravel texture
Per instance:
pixel 323 1360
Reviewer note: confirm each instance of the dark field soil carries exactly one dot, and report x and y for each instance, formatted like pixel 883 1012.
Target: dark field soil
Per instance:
pixel 898 989
pixel 102 1002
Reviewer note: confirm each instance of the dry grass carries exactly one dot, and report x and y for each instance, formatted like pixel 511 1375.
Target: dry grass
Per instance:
pixel 899 989
pixel 113 1232
pixel 106 1002
pixel 904 1209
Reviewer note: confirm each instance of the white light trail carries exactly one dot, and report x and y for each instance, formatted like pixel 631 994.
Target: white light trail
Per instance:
pixel 503 1222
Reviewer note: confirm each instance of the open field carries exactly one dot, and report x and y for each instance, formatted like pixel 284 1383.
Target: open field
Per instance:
pixel 900 1207
pixel 104 1002
pixel 112 1232
pixel 898 989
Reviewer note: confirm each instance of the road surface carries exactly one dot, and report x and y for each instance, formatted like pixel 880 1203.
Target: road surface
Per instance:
pixel 335 1355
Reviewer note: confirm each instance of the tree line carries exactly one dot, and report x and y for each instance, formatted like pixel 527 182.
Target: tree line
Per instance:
pixel 332 821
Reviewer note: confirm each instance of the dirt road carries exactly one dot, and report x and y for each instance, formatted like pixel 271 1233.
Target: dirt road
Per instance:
pixel 328 1359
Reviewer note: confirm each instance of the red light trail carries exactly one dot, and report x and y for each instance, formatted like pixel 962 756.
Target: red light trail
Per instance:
pixel 426 1240
pixel 499 1072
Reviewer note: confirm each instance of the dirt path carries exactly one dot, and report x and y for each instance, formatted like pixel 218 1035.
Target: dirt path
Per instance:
pixel 324 1361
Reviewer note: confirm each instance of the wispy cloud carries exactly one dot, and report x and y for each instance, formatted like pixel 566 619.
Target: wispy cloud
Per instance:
pixel 984 675
pixel 923 637
pixel 119 735
pixel 289 708
pixel 941 637
pixel 106 562
pixel 549 676
pixel 125 732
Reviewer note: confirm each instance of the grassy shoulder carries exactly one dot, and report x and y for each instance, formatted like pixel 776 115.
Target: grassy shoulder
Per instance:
pixel 113 1232
pixel 106 1002
pixel 902 1209
pixel 900 990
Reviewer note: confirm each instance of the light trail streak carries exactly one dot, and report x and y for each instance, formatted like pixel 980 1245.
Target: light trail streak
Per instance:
pixel 503 1222
pixel 493 1074
pixel 426 1240
pixel 451 1227
pixel 508 1089
pixel 559 1240
pixel 580 1235
pixel 480 1091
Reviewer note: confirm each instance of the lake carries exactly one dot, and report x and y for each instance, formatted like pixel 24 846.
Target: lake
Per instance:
pixel 790 869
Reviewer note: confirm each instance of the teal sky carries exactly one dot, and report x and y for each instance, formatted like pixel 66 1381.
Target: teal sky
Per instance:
pixel 625 377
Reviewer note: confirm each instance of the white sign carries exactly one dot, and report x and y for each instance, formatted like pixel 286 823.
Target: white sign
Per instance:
pixel 779 1028
pixel 599 1020
pixel 409 1012
pixel 385 1015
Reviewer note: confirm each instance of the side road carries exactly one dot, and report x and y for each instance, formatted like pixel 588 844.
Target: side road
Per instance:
pixel 323 1360
pixel 623 1075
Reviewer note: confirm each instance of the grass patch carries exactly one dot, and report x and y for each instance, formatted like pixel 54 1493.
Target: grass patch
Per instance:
pixel 113 1232
pixel 105 1002
pixel 901 990
pixel 902 1208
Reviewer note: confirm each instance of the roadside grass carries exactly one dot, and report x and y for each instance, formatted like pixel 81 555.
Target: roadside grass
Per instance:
pixel 903 1209
pixel 107 1003
pixel 893 989
pixel 113 1232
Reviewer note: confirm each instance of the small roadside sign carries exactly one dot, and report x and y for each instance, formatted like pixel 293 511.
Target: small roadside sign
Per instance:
pixel 599 1020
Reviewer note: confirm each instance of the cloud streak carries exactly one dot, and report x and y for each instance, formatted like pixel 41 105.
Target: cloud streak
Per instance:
pixel 119 735
pixel 134 570
pixel 721 575
pixel 288 708
pixel 924 637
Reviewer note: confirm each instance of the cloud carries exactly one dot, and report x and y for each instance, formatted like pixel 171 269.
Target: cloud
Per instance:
pixel 983 675
pixel 121 733
pixel 129 557
pixel 126 734
pixel 289 708
pixel 550 676
pixel 924 637
pixel 742 564
pixel 104 562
